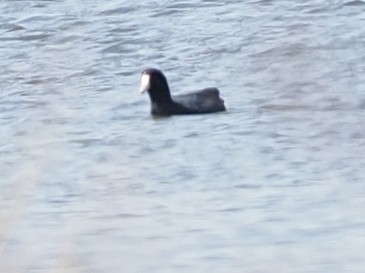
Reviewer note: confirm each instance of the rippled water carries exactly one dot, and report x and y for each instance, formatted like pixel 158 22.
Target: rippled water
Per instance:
pixel 91 183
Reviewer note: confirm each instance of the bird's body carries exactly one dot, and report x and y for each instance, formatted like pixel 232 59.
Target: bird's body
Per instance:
pixel 198 102
pixel 163 104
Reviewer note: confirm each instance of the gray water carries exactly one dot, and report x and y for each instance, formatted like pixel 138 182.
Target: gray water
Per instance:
pixel 90 182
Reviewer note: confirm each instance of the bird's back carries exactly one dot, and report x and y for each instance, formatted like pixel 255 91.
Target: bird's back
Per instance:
pixel 202 101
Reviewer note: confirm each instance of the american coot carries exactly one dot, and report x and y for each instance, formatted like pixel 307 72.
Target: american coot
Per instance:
pixel 163 104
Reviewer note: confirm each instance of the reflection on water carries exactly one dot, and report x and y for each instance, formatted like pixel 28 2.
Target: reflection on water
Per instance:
pixel 91 183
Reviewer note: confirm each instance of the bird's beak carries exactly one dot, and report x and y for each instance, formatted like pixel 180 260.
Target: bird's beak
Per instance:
pixel 145 83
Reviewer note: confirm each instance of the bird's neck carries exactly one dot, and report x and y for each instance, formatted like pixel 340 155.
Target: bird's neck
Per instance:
pixel 160 93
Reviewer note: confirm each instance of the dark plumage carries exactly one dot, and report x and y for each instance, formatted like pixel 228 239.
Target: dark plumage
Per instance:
pixel 163 104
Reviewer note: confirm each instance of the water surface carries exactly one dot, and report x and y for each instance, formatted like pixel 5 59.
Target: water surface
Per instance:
pixel 91 183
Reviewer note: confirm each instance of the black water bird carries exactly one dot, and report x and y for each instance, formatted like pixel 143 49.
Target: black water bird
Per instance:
pixel 203 101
